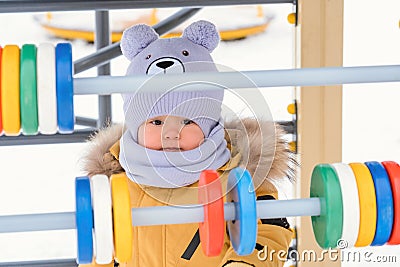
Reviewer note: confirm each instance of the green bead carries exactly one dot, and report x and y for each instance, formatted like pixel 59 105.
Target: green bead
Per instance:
pixel 328 225
pixel 28 100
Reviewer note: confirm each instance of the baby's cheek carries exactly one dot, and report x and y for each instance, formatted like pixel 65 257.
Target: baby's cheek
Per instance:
pixel 151 144
pixel 151 139
pixel 192 138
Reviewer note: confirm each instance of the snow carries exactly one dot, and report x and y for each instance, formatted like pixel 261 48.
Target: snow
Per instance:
pixel 41 178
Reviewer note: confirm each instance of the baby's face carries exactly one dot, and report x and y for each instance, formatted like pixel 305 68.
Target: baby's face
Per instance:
pixel 170 133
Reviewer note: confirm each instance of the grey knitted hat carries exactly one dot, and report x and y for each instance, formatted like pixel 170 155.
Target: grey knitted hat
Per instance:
pixel 151 55
pixel 202 108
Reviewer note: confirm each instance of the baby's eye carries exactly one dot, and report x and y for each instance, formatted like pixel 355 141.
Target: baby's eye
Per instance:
pixel 156 122
pixel 187 122
pixel 185 53
pixel 148 56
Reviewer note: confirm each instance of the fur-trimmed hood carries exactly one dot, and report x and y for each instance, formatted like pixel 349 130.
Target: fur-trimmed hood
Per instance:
pixel 264 150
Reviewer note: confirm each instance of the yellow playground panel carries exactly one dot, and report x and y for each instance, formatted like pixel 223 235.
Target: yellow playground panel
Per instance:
pixel 249 20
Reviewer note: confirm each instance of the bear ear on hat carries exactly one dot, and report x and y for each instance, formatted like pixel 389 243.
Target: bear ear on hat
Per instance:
pixel 203 33
pixel 137 38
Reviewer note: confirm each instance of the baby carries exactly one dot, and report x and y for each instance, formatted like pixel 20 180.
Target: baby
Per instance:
pixel 170 137
pixel 194 120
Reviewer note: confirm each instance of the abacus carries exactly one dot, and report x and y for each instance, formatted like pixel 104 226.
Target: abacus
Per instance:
pixel 36 89
pixel 356 203
pixel 54 104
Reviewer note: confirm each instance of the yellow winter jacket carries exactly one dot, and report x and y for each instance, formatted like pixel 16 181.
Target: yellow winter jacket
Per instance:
pixel 168 245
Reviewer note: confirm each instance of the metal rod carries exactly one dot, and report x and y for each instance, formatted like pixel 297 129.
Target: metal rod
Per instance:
pixel 103 39
pixel 37 222
pixel 235 80
pixel 73 5
pixel 83 121
pixel 266 209
pixel 101 56
pixel 77 137
pixel 105 54
pixel 44 263
pixel 158 215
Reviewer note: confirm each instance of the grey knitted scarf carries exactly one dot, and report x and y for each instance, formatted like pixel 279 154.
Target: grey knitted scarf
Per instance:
pixel 172 169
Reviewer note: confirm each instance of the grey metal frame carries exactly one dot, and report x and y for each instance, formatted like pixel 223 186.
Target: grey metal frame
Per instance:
pixel 102 33
pixel 74 5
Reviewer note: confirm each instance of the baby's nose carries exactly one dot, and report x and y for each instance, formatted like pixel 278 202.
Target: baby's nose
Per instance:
pixel 171 134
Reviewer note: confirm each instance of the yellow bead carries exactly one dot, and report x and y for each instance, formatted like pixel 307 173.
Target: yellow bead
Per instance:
pixel 292 146
pixel 368 211
pixel 10 94
pixel 291 109
pixel 122 217
pixel 292 18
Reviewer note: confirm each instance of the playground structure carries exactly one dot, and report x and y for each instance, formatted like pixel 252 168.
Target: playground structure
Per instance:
pixel 316 48
pixel 249 20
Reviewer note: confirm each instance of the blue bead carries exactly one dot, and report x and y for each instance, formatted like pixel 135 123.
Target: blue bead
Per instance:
pixel 243 230
pixel 384 203
pixel 84 220
pixel 64 88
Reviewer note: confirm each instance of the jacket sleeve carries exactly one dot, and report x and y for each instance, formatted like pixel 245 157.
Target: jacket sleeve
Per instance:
pixel 273 240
